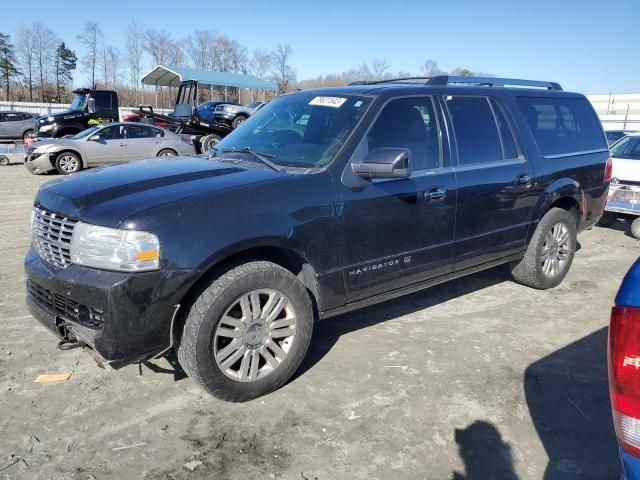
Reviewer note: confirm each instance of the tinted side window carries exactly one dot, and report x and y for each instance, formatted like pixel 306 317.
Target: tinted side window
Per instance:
pixel 628 147
pixel 158 132
pixel 140 131
pixel 508 143
pixel 103 101
pixel 409 123
pixel 562 125
pixel 475 129
pixel 13 117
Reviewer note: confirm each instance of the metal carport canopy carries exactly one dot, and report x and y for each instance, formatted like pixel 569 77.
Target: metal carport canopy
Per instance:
pixel 172 76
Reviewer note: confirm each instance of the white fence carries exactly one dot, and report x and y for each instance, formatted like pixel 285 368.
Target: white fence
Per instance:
pixel 49 108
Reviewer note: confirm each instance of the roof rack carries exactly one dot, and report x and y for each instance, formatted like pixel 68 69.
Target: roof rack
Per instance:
pixel 442 80
pixel 492 82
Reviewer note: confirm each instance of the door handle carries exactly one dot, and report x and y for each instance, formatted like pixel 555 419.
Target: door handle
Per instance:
pixel 437 193
pixel 523 180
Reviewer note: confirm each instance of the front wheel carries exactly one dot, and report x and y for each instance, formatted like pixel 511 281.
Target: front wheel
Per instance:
pixel 239 120
pixel 209 141
pixel 550 252
pixel 68 162
pixel 635 228
pixel 4 161
pixel 248 331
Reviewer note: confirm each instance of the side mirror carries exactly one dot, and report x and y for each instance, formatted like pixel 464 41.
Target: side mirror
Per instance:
pixel 91 105
pixel 385 163
pixel 95 138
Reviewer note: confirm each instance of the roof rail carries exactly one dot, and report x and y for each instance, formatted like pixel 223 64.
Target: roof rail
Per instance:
pixel 388 80
pixel 491 82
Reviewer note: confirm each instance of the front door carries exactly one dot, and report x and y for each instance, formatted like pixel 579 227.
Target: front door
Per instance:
pixel 396 232
pixel 495 194
pixel 106 145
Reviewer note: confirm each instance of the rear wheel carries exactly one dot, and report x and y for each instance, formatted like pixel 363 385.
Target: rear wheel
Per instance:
pixel 608 219
pixel 247 333
pixel 167 152
pixel 27 134
pixel 208 142
pixel 550 253
pixel 239 120
pixel 635 228
pixel 68 162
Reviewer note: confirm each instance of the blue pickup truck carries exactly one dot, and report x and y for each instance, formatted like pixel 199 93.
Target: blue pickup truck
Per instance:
pixel 624 370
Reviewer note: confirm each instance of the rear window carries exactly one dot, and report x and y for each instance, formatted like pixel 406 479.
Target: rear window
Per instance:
pixel 562 126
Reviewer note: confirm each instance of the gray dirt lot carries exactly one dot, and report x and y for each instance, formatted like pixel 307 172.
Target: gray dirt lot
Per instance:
pixel 476 379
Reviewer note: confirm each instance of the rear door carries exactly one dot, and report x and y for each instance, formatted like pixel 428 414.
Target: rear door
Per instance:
pixel 396 232
pixel 494 181
pixel 142 141
pixel 12 125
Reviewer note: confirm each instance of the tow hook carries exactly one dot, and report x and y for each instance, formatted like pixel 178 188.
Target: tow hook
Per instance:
pixel 70 344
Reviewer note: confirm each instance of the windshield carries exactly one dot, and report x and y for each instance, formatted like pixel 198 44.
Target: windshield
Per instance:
pixel 78 102
pixel 627 147
pixel 85 133
pixel 299 130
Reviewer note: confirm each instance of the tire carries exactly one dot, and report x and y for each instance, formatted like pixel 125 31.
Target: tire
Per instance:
pixel 239 120
pixel 542 271
pixel 27 134
pixel 205 346
pixel 67 163
pixel 608 219
pixel 4 161
pixel 209 141
pixel 167 152
pixel 635 228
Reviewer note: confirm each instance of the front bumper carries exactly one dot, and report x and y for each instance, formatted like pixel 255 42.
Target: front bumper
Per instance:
pixel 224 117
pixel 123 317
pixel 40 164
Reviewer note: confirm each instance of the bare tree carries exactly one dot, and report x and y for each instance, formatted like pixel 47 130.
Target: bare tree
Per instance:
pixel 430 68
pixel 282 71
pixel 44 52
pixel 261 62
pixel 134 47
pixel 175 54
pixel 113 61
pixel 199 48
pixel 379 68
pixel 25 48
pixel 158 44
pixel 91 39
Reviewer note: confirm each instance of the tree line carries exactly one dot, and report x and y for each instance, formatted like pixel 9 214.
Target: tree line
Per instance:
pixel 37 65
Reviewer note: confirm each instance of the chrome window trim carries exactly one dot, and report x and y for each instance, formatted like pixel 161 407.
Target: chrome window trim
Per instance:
pixel 415 175
pixel 573 154
pixel 497 163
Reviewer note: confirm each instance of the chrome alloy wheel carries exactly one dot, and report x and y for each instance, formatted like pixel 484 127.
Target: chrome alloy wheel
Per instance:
pixel 255 335
pixel 68 163
pixel 555 250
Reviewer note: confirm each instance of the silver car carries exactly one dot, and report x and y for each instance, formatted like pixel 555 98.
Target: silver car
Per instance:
pixel 105 144
pixel 16 125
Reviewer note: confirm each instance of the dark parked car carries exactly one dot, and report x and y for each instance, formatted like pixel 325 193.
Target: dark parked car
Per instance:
pixel 16 125
pixel 326 201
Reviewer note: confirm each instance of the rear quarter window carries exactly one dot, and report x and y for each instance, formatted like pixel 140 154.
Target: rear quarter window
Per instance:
pixel 562 126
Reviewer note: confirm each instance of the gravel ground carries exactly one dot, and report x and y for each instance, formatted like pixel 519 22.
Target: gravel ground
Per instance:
pixel 475 379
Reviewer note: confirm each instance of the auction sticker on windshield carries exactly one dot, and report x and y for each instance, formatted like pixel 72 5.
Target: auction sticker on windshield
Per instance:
pixel 334 102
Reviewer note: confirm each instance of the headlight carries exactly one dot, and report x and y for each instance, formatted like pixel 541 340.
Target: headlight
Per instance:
pixel 47 128
pixel 229 109
pixel 114 249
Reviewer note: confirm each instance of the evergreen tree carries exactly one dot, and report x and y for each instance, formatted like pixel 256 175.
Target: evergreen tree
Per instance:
pixel 8 67
pixel 65 64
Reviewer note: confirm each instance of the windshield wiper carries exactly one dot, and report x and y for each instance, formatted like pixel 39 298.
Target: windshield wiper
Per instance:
pixel 259 155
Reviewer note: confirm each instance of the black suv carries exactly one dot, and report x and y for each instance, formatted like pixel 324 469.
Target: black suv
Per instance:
pixel 324 201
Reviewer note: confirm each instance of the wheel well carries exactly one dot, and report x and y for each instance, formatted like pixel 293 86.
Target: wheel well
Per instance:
pixel 286 258
pixel 570 205
pixel 170 149
pixel 54 156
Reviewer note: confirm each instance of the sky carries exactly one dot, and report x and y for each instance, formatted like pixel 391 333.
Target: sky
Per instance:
pixel 587 46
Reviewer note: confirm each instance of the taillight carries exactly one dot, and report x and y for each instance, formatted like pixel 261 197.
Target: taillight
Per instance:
pixel 608 170
pixel 187 139
pixel 624 376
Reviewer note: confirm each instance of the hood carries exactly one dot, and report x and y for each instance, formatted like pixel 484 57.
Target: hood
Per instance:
pixel 625 169
pixel 57 142
pixel 57 116
pixel 108 196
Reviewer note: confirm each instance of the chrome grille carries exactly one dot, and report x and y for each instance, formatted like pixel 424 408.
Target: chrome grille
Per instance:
pixel 51 236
